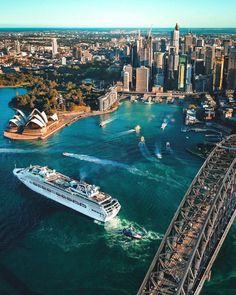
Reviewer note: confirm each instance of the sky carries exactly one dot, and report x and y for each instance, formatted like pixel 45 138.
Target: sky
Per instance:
pixel 118 13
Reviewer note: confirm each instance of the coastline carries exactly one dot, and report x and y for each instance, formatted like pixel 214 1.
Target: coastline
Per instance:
pixel 65 119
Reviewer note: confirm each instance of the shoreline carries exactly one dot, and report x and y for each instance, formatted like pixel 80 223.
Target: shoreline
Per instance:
pixel 66 119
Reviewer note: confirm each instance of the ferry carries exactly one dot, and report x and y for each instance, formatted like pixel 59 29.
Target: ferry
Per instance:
pixel 75 194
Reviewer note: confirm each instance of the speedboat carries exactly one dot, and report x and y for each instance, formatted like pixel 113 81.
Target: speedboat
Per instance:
pixel 142 139
pixel 167 145
pixel 137 129
pixel 102 124
pixel 163 125
pixel 158 155
pixel 131 233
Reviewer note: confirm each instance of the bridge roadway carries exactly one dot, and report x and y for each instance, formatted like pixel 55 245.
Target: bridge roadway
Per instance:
pixel 188 250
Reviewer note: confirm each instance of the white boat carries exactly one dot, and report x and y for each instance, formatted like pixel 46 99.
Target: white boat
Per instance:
pixel 103 123
pixel 75 194
pixel 137 128
pixel 163 125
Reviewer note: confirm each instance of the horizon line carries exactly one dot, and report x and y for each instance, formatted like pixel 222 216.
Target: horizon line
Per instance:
pixel 112 27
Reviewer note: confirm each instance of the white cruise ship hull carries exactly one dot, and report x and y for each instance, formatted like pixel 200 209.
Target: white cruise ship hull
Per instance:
pixel 81 205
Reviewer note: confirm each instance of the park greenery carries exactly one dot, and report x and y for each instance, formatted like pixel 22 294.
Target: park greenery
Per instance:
pixel 63 88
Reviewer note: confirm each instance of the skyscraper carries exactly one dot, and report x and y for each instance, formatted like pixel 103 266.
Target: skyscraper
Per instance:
pixel 188 42
pixel 182 72
pixel 175 39
pixel 129 69
pixel 209 59
pixel 231 77
pixel 142 79
pixel 218 72
pixel 54 47
pixel 126 81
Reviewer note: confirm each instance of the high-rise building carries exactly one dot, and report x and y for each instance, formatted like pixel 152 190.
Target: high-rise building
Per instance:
pixel 158 60
pixel 188 42
pixel 218 72
pixel 189 87
pixel 142 79
pixel 129 69
pixel 54 47
pixel 163 45
pixel 182 72
pixel 231 77
pixel 126 81
pixel 146 52
pixel 17 47
pixel 175 39
pixel 209 59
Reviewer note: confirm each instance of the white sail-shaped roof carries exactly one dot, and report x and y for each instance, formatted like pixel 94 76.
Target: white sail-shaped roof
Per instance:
pixel 15 122
pixel 44 117
pixel 37 122
pixel 21 114
pixel 54 117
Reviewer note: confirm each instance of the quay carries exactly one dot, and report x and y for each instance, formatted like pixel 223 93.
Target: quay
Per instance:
pixel 65 119
pixel 200 225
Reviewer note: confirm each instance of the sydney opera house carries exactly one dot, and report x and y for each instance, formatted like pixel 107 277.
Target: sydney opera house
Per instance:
pixel 36 124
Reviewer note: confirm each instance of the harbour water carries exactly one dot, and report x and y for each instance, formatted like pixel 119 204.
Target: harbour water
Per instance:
pixel 48 249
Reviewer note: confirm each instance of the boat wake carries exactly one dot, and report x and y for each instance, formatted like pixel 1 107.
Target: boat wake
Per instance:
pixel 145 151
pixel 104 162
pixel 125 132
pixel 15 151
pixel 158 151
pixel 134 248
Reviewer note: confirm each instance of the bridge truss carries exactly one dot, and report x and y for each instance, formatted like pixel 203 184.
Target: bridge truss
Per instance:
pixel 198 229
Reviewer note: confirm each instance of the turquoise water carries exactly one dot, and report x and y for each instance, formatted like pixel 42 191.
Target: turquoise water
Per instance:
pixel 46 248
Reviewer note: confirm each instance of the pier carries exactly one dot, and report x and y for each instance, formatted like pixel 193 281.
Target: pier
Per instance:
pixel 200 225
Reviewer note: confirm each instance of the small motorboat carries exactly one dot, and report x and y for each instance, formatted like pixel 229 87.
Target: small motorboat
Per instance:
pixel 131 233
pixel 163 125
pixel 167 145
pixel 102 124
pixel 142 139
pixel 137 128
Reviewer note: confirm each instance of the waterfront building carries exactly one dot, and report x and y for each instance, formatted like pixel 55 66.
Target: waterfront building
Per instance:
pixel 175 39
pixel 108 100
pixel 142 79
pixel 54 47
pixel 126 81
pixel 37 123
pixel 129 69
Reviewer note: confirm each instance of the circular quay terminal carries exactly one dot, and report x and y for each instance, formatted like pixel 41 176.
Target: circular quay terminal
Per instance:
pixel 117 147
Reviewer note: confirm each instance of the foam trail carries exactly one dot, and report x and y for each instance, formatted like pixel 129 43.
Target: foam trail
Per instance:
pixel 158 151
pixel 15 151
pixel 125 132
pixel 133 248
pixel 104 162
pixel 144 151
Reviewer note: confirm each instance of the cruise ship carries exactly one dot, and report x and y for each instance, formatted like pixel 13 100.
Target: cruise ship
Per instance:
pixel 78 195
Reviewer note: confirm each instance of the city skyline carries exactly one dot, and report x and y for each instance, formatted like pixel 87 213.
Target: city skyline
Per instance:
pixel 106 14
